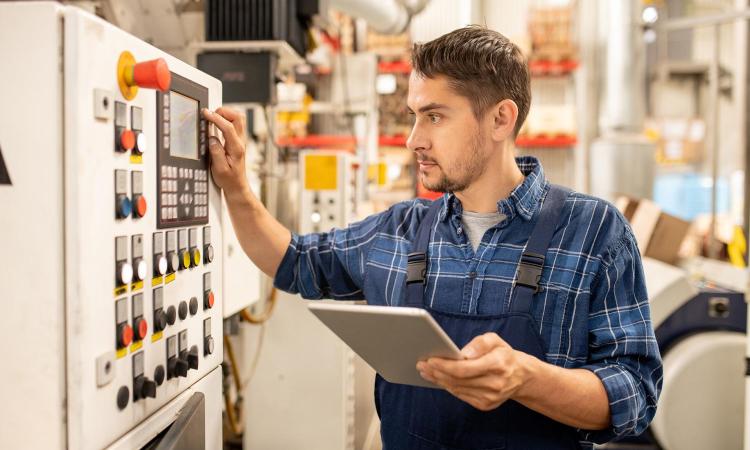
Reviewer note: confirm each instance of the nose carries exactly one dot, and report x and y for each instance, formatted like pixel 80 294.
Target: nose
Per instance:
pixel 417 140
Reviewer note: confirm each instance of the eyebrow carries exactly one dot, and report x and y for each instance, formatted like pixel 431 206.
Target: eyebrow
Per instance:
pixel 429 107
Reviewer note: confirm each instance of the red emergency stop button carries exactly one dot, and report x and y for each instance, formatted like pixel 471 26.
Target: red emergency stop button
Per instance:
pixel 208 300
pixel 127 140
pixel 124 335
pixel 140 206
pixel 152 74
pixel 142 328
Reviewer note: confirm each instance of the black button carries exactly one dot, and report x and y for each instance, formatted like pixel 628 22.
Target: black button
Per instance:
pixel 160 320
pixel 123 397
pixel 171 315
pixel 193 306
pixel 159 375
pixel 472 274
pixel 183 310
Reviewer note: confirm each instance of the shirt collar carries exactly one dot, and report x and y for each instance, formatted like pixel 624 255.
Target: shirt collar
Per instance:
pixel 522 201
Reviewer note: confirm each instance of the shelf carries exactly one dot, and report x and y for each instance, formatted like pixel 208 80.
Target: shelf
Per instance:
pixel 546 141
pixel 319 141
pixel 552 68
pixel 392 141
pixel 394 67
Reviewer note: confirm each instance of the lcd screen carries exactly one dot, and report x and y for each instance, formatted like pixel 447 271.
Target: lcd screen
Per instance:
pixel 183 126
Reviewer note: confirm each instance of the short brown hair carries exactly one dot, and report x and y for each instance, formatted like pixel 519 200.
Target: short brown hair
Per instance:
pixel 481 65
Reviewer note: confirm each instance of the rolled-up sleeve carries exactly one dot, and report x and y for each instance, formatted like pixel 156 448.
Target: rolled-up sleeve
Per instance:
pixel 623 351
pixel 328 265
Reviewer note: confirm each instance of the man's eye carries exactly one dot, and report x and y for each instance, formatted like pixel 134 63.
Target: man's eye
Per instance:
pixel 434 118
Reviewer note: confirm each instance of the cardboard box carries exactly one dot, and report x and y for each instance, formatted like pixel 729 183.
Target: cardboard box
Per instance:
pixel 659 235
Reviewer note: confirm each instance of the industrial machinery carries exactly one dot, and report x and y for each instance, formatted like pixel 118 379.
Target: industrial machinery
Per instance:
pixel 701 331
pixel 113 231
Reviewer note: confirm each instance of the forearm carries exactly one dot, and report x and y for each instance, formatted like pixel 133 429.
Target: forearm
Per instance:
pixel 262 237
pixel 575 397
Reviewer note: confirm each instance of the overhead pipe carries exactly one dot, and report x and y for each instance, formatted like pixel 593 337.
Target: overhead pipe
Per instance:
pixel 384 16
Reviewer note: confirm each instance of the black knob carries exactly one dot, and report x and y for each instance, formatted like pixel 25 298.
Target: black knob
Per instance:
pixel 208 253
pixel 143 387
pixel 177 367
pixel 208 345
pixel 171 315
pixel 159 375
pixel 193 306
pixel 160 320
pixel 149 389
pixel 183 310
pixel 192 357
pixel 123 397
pixel 172 262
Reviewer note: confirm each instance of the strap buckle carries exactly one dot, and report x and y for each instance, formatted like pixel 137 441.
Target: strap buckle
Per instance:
pixel 416 268
pixel 530 270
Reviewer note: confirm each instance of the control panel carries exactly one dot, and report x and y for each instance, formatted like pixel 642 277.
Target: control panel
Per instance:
pixel 129 309
pixel 329 190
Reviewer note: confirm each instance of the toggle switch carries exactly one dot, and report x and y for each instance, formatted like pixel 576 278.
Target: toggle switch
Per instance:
pixel 152 74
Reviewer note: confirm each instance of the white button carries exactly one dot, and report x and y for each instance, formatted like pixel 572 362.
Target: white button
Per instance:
pixel 166 99
pixel 173 185
pixel 141 269
pixel 174 212
pixel 166 127
pixel 126 273
pixel 166 141
pixel 182 171
pixel 172 172
pixel 162 265
pixel 163 171
pixel 173 199
pixel 164 199
pixel 141 142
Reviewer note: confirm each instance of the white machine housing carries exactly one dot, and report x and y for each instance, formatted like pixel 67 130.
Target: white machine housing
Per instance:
pixel 63 371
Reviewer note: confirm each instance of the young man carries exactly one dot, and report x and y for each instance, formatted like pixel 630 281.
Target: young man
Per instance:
pixel 542 288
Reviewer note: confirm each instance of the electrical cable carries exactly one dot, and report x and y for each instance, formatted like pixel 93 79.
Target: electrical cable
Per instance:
pixel 265 315
pixel 235 423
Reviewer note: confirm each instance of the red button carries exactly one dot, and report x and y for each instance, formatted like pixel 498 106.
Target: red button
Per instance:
pixel 153 74
pixel 127 140
pixel 210 299
pixel 142 329
pixel 126 335
pixel 140 206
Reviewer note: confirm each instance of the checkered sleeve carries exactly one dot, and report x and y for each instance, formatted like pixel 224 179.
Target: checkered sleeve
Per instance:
pixel 623 351
pixel 328 265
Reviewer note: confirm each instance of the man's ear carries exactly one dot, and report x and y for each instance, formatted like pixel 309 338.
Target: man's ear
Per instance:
pixel 504 117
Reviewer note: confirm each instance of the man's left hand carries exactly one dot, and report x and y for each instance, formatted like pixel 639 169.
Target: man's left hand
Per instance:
pixel 491 373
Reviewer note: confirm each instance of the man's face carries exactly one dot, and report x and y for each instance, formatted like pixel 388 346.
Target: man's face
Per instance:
pixel 451 146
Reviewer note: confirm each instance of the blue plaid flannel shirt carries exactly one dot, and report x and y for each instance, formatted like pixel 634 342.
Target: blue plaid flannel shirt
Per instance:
pixel 592 309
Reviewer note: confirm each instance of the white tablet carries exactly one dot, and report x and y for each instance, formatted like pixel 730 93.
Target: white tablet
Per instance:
pixel 391 339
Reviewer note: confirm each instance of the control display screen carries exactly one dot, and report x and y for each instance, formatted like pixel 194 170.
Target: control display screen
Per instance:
pixel 183 126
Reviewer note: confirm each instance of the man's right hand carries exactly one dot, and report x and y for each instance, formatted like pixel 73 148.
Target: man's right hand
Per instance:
pixel 228 160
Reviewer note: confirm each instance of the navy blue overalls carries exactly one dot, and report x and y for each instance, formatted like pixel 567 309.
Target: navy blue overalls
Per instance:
pixel 416 418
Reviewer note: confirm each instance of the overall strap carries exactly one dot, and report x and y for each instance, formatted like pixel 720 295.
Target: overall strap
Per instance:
pixel 416 269
pixel 532 260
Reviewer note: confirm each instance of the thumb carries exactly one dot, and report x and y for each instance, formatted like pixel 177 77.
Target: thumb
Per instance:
pixel 482 345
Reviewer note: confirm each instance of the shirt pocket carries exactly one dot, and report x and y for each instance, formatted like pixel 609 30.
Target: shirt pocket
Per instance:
pixel 563 326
